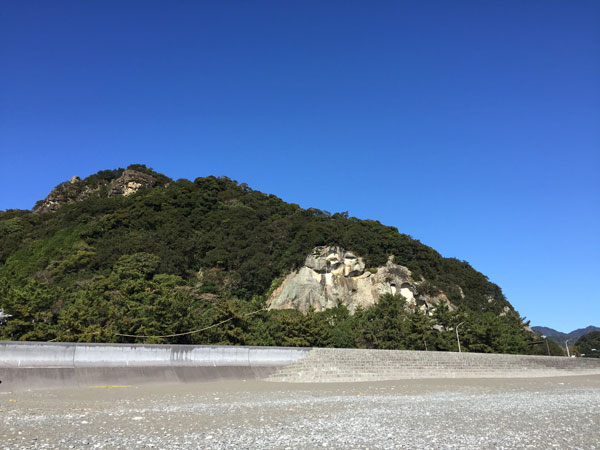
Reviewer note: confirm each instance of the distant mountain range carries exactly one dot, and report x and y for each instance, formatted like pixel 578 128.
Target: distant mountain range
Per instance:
pixel 560 337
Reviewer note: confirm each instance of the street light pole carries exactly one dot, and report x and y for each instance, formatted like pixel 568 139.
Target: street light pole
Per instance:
pixel 457 338
pixel 567 345
pixel 547 347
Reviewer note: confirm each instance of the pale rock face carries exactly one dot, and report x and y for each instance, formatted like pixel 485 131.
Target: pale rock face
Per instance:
pixel 505 311
pixel 131 188
pixel 130 182
pixel 331 274
pixel 335 260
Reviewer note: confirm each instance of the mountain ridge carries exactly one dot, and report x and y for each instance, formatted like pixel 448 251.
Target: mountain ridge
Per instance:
pixel 560 337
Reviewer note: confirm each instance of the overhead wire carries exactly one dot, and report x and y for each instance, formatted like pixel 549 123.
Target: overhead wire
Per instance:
pixel 143 336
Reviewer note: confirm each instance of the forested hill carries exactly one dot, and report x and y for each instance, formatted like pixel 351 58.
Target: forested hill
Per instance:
pixel 134 252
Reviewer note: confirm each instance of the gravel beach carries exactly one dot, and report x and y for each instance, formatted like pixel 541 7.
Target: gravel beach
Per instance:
pixel 539 413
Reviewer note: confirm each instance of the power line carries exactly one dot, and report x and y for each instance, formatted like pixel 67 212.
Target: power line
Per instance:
pixel 142 336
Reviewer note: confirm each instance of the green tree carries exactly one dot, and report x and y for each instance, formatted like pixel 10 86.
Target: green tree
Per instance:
pixel 384 325
pixel 138 265
pixel 589 344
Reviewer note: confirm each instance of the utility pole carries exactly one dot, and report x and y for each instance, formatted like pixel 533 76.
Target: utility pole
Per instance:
pixel 567 346
pixel 457 338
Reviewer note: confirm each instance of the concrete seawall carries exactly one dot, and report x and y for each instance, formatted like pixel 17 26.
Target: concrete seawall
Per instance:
pixel 32 365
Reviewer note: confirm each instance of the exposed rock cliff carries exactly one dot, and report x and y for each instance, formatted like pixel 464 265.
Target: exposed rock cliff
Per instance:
pixel 332 274
pixel 74 190
pixel 71 191
pixel 130 182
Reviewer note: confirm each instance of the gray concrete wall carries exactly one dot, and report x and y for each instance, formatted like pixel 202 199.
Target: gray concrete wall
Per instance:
pixel 33 365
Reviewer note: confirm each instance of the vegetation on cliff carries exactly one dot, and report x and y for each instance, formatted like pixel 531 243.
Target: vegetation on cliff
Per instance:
pixel 179 256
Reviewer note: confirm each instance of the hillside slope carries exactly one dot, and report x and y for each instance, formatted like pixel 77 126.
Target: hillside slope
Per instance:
pixel 132 252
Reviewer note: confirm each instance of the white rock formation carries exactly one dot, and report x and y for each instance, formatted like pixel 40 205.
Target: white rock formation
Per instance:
pixel 332 274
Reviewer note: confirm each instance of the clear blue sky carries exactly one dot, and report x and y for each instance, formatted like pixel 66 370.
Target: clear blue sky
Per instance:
pixel 473 126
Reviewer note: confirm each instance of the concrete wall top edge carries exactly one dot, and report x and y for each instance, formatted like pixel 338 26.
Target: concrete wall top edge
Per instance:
pixel 182 346
pixel 275 356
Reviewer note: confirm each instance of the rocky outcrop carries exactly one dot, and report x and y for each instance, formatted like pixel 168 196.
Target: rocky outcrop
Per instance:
pixel 71 191
pixel 76 190
pixel 130 182
pixel 331 275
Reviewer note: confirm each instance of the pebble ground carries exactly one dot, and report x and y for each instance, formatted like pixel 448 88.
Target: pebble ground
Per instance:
pixel 541 413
